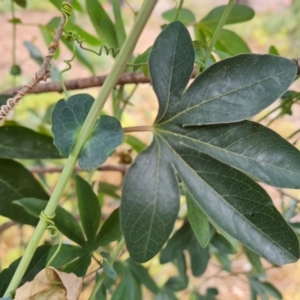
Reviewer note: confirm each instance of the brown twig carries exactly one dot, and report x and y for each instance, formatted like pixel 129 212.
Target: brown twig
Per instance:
pixel 41 75
pixel 7 225
pixel 83 83
pixel 42 170
pixel 297 61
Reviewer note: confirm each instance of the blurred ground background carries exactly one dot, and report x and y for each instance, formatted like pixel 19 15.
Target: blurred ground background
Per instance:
pixel 273 24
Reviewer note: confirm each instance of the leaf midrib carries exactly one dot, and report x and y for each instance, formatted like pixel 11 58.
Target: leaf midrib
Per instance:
pixel 225 202
pixel 214 98
pixel 221 149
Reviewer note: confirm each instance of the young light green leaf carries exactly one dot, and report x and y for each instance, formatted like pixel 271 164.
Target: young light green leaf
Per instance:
pixel 186 16
pixel 89 209
pixel 171 64
pixel 67 119
pixel 229 43
pixel 64 221
pixel 102 23
pixel 273 50
pixel 119 26
pixel 16 182
pixel 23 143
pixel 109 270
pixel 110 230
pixel 135 143
pixel 247 146
pixel 198 221
pixel 150 207
pixel 239 13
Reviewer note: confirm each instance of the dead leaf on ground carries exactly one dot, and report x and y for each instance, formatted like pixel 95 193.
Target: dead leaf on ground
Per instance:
pixel 41 288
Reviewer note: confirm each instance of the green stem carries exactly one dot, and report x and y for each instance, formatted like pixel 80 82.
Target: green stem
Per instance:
pixel 137 129
pixel 94 113
pixel 111 262
pixel 179 10
pixel 219 29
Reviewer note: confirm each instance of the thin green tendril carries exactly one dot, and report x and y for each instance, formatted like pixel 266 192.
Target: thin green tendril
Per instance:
pixel 53 232
pixel 67 61
pixel 66 10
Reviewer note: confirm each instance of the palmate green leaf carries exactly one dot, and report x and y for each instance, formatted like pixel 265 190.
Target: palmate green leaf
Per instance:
pixel 238 205
pixel 239 13
pixel 228 91
pixel 248 146
pixel 110 230
pixel 68 118
pixel 89 209
pixel 16 182
pixel 231 90
pixel 64 221
pixel 149 208
pixel 23 143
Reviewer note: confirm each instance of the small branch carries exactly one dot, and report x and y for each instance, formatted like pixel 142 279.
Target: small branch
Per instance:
pixel 7 225
pixel 42 170
pixel 84 83
pixel 137 129
pixel 297 61
pixel 41 75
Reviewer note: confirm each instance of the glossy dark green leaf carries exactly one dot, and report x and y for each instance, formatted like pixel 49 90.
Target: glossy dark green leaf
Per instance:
pixel 143 276
pixel 80 266
pixel 64 221
pixel 23 143
pixel 242 206
pixel 248 146
pixel 149 209
pixel 89 209
pixel 16 182
pixel 181 281
pixel 102 23
pixel 67 119
pixel 110 230
pixel 15 70
pixel 22 3
pixel 239 13
pixel 199 257
pixel 176 244
pixel 67 255
pixel 186 16
pixel 165 294
pixel 37 263
pixel 231 90
pixel 198 222
pixel 171 64
pixel 109 270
